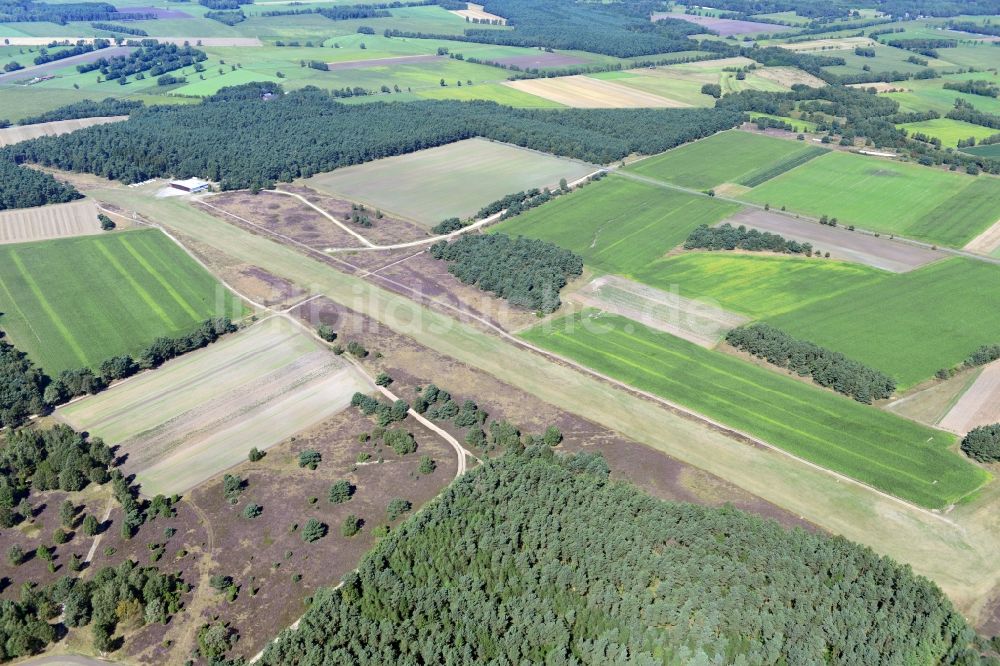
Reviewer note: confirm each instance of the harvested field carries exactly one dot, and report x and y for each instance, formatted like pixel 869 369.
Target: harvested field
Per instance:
pixel 694 320
pixel 541 60
pixel 721 26
pixel 454 180
pixel 979 405
pixel 880 87
pixel 931 401
pixel 178 425
pixel 77 218
pixel 159 12
pixel 789 76
pixel 384 62
pixel 477 12
pixel 584 92
pixel 890 255
pixel 844 44
pixel 72 61
pixel 987 242
pixel 18 133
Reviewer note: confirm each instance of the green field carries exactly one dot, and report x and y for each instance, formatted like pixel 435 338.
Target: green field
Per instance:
pixel 931 95
pixel 454 180
pixel 757 286
pixel 76 302
pixel 992 150
pixel 887 59
pixel 948 131
pixel 888 452
pixel 619 225
pixel 729 157
pixel 929 204
pixel 910 324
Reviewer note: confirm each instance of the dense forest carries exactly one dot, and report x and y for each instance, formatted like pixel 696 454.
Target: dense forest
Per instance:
pixel 827 368
pixel 307 132
pixel 843 8
pixel 21 187
pixel 151 57
pixel 21 385
pixel 525 271
pixel 536 558
pixel 29 11
pixel 616 29
pixel 728 237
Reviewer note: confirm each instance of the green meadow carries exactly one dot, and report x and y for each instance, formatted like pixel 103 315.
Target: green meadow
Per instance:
pixel 75 302
pixel 895 455
pixel 728 157
pixel 619 225
pixel 892 197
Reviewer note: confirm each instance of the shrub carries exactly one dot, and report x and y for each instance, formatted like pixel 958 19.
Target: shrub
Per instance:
pixel 397 507
pixel 427 465
pixel 341 492
pixel 255 454
pixel 983 443
pixel 313 530
pixel 327 333
pixel 310 459
pixel 350 526
pixel 252 510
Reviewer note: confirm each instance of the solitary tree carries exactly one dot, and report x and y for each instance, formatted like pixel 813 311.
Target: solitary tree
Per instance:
pixel 310 459
pixel 313 530
pixel 341 492
pixel 983 443
pixel 351 526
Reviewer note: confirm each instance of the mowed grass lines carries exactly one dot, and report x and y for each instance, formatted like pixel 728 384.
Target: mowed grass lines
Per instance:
pixel 911 324
pixel 892 197
pixel 619 225
pixel 75 302
pixel 455 180
pixel 757 286
pixel 729 157
pixel 873 446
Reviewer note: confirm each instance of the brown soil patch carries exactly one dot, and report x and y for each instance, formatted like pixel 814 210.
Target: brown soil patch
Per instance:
pixel 475 11
pixel 930 401
pixel 77 218
pixel 986 242
pixel 18 133
pixel 979 405
pixel 584 92
pixel 789 76
pixel 890 255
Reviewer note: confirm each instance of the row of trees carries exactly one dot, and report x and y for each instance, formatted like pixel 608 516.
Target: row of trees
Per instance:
pixel 728 237
pixel 61 13
pixel 81 47
pixel 827 368
pixel 109 106
pixel 151 57
pixel 119 28
pixel 974 87
pixel 525 271
pixel 503 568
pixel 307 132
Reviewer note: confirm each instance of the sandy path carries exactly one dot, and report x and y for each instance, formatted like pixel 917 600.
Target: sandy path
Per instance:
pixel 980 405
pixel 986 242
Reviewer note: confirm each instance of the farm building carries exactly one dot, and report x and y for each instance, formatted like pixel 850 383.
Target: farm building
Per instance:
pixel 189 185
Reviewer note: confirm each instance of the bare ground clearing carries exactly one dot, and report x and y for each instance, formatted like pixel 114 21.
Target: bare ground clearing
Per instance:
pixel 76 218
pixel 724 27
pixel 789 76
pixel 193 417
pixel 18 133
pixel 831 44
pixel 584 92
pixel 474 11
pixel 890 255
pixel 691 319
pixel 979 405
pixel 987 242
pixel 384 62
pixel 932 400
pixel 411 364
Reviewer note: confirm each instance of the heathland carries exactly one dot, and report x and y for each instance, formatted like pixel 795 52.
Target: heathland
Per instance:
pixel 76 302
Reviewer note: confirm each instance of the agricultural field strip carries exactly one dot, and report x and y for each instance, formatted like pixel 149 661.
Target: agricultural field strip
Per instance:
pixel 24 225
pixel 781 166
pixel 986 242
pixel 693 320
pixel 937 546
pixel 11 135
pixel 775 403
pixel 878 252
pixel 979 405
pixel 583 92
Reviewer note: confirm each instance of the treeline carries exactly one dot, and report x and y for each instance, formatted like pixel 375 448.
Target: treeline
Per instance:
pixel 974 87
pixel 728 237
pixel 334 13
pixel 596 569
pixel 119 28
pixel 525 271
pixel 227 16
pixel 827 368
pixel 44 56
pixel 843 8
pixel 976 28
pixel 126 594
pixel 151 57
pixel 25 390
pixel 967 113
pixel 307 132
pixel 21 187
pixel 110 106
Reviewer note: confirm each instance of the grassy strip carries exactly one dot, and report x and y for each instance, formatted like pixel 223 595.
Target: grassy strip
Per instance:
pixel 890 453
pixel 787 164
